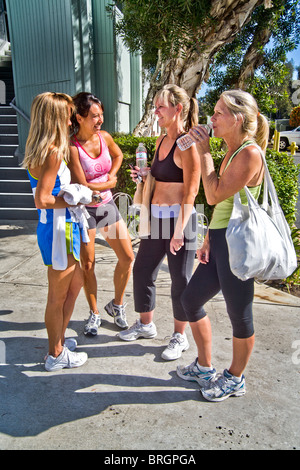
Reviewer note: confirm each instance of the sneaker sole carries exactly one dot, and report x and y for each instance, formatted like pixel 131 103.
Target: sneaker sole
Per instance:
pixel 89 333
pixel 137 337
pixel 58 367
pixel 186 377
pixel 239 393
pixel 201 382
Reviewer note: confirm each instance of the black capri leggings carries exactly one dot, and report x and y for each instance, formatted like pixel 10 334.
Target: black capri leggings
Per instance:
pixel 207 281
pixel 151 253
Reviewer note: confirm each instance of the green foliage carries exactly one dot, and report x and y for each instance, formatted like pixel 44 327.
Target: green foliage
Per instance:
pixel 128 144
pixel 271 75
pixel 151 25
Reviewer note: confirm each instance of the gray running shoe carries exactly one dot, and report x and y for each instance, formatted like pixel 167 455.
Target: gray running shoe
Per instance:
pixel 224 387
pixel 66 359
pixel 138 330
pixel 118 313
pixel 92 325
pixel 192 373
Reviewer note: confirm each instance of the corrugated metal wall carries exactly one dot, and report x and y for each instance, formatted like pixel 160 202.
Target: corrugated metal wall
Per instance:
pixel 117 73
pixel 42 51
pixel 70 46
pixel 104 79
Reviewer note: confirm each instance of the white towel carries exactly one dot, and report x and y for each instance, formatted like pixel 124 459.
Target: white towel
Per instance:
pixel 76 195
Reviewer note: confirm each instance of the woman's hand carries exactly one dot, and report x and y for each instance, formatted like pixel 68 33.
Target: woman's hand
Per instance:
pixel 136 175
pixel 201 137
pixel 111 181
pixel 176 244
pixel 203 252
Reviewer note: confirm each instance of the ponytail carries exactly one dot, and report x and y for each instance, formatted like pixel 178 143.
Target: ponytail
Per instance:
pixel 192 118
pixel 262 133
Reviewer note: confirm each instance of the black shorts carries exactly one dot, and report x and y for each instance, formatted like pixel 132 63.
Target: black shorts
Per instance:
pixel 209 279
pixel 104 215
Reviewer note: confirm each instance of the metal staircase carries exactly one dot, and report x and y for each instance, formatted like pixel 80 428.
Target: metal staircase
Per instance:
pixel 16 200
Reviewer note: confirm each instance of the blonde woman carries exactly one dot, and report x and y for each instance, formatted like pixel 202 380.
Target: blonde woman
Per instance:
pixel 47 151
pixel 237 120
pixel 173 220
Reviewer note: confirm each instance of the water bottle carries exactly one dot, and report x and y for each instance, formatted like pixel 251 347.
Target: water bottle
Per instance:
pixel 141 158
pixel 186 141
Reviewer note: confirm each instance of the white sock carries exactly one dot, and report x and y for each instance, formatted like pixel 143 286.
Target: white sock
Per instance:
pixel 204 369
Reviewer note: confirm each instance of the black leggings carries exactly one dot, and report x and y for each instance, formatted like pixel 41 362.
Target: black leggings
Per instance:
pixel 207 281
pixel 149 258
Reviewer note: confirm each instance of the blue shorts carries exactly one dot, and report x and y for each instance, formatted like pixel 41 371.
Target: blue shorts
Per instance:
pixel 45 240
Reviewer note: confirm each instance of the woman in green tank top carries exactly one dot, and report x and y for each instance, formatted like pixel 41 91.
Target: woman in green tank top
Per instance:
pixel 237 120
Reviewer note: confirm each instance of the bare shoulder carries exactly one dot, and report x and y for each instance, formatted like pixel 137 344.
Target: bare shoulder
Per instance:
pixel 250 155
pixel 106 136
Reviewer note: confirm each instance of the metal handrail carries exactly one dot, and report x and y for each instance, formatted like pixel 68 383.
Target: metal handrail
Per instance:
pixel 19 111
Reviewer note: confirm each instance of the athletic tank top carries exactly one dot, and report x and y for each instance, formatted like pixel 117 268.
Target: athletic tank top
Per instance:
pixel 166 170
pixel 222 211
pixel 96 169
pixel 63 178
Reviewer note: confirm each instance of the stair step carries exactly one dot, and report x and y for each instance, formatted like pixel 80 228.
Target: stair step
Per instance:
pixel 16 200
pixel 9 139
pixel 8 161
pixel 8 129
pixel 16 213
pixel 13 173
pixel 8 149
pixel 15 186
pixel 7 110
pixel 7 119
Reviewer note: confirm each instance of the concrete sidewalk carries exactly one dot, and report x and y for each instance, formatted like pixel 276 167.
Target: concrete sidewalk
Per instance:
pixel 126 397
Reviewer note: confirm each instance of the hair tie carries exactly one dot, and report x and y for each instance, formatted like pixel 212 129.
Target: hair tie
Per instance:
pixel 258 114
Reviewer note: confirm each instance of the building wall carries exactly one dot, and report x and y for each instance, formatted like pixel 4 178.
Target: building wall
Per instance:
pixel 42 52
pixel 70 46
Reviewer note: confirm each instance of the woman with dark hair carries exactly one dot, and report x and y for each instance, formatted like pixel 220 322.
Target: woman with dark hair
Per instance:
pixel 95 161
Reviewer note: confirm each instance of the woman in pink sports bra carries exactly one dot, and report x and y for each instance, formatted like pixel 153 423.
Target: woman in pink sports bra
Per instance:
pixel 94 161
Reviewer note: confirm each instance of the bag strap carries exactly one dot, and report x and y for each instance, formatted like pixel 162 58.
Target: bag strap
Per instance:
pixel 269 188
pixel 245 144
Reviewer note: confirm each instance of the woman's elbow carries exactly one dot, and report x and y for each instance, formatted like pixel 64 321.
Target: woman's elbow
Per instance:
pixel 211 200
pixel 41 202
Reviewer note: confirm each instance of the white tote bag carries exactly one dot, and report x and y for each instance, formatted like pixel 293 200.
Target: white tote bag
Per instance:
pixel 258 236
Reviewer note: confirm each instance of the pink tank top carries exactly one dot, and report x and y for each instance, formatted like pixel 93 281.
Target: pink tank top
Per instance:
pixel 96 169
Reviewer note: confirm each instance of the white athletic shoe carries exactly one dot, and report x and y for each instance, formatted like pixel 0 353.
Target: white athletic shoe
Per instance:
pixel 66 359
pixel 92 325
pixel 138 330
pixel 178 343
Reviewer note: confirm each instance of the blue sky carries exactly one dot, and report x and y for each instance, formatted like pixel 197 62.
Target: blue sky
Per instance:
pixel 295 56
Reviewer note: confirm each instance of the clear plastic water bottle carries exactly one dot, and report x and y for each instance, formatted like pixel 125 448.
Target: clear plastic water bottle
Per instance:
pixel 141 158
pixel 186 141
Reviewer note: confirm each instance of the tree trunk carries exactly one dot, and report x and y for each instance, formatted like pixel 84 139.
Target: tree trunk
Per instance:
pixel 227 17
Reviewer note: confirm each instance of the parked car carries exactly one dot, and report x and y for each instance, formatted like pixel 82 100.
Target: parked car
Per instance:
pixel 287 137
